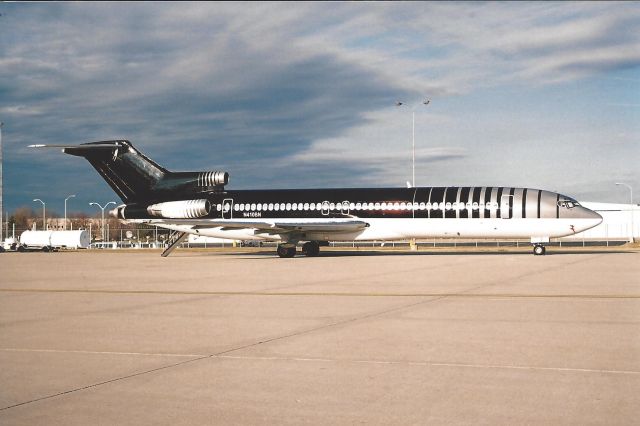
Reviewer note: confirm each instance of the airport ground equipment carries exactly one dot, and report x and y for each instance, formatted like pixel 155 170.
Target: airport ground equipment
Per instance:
pixel 52 240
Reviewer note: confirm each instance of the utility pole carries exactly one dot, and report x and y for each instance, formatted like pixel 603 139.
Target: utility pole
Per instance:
pixel 412 242
pixel 413 139
pixel 102 208
pixel 44 215
pixel 1 205
pixel 65 210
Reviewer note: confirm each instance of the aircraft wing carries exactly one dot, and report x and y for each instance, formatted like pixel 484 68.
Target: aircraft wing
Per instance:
pixel 268 226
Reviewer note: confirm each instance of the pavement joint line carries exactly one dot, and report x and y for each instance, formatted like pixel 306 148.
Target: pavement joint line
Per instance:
pixel 326 294
pixel 432 364
pixel 325 326
pixel 219 355
pixel 212 356
pixel 65 351
pixel 94 385
pixel 421 268
pixel 333 360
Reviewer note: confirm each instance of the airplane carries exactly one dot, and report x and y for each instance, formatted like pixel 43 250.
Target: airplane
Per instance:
pixel 199 203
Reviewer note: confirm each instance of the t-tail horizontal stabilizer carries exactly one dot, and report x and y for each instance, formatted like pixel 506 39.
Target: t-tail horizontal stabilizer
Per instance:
pixel 137 179
pixel 132 175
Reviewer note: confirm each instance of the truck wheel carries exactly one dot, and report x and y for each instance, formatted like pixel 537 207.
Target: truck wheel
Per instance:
pixel 21 249
pixel 45 249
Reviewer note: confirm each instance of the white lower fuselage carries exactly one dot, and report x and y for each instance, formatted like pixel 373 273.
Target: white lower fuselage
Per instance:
pixel 402 229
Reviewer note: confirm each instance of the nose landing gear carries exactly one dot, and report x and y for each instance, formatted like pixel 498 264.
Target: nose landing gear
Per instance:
pixel 539 250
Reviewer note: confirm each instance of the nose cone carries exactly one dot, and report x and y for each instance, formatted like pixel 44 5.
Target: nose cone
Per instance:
pixel 590 214
pixel 590 218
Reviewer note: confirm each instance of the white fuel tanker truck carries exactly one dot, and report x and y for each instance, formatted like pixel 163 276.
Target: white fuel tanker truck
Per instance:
pixel 52 240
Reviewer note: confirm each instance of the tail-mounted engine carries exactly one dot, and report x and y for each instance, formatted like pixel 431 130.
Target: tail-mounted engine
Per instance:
pixel 187 209
pixel 190 209
pixel 208 179
pixel 191 183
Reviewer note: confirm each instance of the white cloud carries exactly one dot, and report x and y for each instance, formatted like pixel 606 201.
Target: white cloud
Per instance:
pixel 310 83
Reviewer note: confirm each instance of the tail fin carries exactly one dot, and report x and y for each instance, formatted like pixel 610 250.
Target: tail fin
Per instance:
pixel 136 178
pixel 131 174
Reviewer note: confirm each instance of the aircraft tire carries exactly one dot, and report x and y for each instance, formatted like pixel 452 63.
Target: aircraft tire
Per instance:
pixel 311 249
pixel 539 250
pixel 286 252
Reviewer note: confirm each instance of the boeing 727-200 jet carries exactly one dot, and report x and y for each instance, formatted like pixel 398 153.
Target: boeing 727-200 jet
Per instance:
pixel 199 203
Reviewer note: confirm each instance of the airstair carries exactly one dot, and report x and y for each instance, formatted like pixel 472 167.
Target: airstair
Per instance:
pixel 174 240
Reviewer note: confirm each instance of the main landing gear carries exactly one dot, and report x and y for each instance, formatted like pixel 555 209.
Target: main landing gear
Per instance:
pixel 310 249
pixel 539 250
pixel 286 250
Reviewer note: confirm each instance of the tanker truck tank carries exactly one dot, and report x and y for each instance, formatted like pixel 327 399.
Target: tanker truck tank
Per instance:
pixel 50 240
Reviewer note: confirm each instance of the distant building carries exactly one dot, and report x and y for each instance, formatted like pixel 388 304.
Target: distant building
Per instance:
pixel 616 222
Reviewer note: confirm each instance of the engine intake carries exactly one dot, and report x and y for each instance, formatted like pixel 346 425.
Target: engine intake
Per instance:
pixel 188 209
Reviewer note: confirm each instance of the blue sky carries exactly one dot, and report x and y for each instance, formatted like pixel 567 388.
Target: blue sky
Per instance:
pixel 535 94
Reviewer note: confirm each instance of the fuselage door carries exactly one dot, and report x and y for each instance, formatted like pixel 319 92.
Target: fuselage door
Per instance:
pixel 344 207
pixel 325 208
pixel 506 207
pixel 227 208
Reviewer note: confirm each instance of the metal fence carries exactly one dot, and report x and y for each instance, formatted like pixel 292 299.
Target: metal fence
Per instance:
pixel 152 237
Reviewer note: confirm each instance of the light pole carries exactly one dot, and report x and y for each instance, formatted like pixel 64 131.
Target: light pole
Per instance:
pixel 413 139
pixel 102 208
pixel 631 239
pixel 65 210
pixel 1 206
pixel 44 220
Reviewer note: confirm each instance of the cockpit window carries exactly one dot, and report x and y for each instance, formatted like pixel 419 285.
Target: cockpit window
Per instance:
pixel 568 203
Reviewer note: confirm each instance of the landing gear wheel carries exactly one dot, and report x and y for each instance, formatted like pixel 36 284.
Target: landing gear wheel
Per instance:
pixel 284 251
pixel 20 249
pixel 539 250
pixel 45 249
pixel 311 249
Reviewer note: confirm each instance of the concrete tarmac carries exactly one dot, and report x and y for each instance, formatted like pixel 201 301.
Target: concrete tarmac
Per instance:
pixel 223 337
